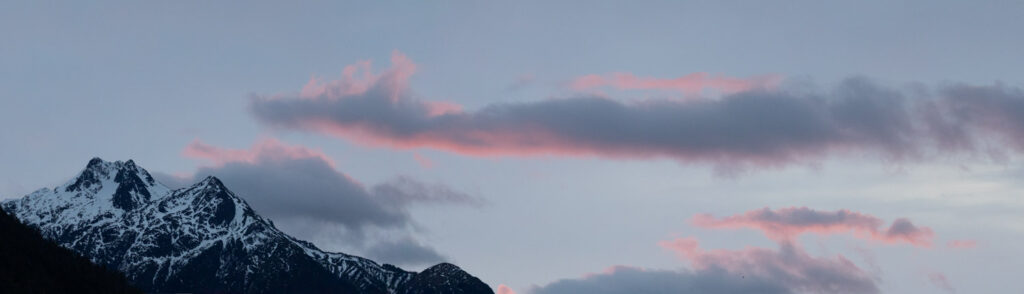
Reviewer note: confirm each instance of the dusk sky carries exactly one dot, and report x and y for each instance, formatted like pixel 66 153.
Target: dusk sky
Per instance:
pixel 557 146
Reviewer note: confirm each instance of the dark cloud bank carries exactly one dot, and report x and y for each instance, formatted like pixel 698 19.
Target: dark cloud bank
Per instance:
pixel 308 197
pixel 761 127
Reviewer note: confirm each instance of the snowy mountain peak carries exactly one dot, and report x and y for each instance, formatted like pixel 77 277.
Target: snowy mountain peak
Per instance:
pixel 95 171
pixel 132 186
pixel 204 238
pixel 212 181
pixel 219 203
pixel 94 162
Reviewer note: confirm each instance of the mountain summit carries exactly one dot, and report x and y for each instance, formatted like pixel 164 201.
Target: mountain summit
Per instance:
pixel 204 239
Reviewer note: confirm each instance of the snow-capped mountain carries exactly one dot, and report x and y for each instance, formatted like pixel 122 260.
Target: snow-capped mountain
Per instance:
pixel 204 238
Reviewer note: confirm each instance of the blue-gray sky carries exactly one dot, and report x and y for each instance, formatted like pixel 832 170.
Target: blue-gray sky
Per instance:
pixel 889 109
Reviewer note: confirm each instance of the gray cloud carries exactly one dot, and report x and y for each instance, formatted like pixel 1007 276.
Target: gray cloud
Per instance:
pixel 757 127
pixel 405 252
pixel 633 280
pixel 307 188
pixel 788 269
pixel 972 116
pixel 403 191
pixel 790 266
pixel 307 197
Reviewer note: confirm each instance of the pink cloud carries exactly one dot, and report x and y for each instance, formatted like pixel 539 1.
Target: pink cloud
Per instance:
pixel 691 84
pixel 687 248
pixel 423 160
pixel 962 244
pixel 355 79
pixel 788 223
pixel 502 289
pixel 758 124
pixel 771 128
pixel 527 141
pixel 612 270
pixel 264 150
pixel 439 108
pixel 417 123
pixel 358 78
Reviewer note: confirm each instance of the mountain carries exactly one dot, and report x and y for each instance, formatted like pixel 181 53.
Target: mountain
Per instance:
pixel 31 264
pixel 443 278
pixel 204 239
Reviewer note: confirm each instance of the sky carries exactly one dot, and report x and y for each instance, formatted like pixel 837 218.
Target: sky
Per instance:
pixel 557 146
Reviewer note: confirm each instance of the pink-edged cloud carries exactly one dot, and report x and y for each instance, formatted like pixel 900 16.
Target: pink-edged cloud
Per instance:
pixel 357 79
pixel 962 244
pixel 753 126
pixel 790 265
pixel 692 83
pixel 759 128
pixel 264 150
pixel 789 223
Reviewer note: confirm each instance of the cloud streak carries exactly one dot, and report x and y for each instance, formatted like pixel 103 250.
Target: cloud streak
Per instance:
pixel 962 244
pixel 940 281
pixel 751 127
pixel 690 84
pixel 787 223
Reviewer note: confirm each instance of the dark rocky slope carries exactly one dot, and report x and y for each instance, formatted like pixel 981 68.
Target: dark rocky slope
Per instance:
pixel 31 264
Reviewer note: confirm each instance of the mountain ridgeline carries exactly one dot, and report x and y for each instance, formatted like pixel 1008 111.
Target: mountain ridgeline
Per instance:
pixel 204 239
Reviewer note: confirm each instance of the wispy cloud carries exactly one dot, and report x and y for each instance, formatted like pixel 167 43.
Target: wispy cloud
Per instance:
pixel 522 82
pixel 962 244
pixel 690 84
pixel 786 224
pixel 940 281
